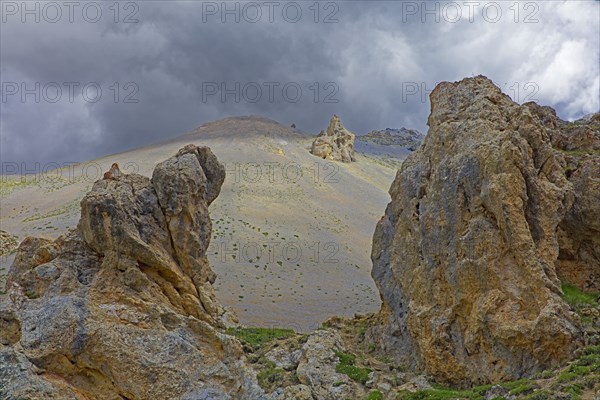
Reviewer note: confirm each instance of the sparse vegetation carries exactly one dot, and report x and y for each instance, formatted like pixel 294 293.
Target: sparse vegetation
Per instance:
pixel 8 185
pixel 439 392
pixel 581 302
pixel 346 366
pixel 519 387
pixel 570 383
pixel 577 298
pixel 257 337
pixel 269 377
pixel 8 243
pixel 72 206
pixel 375 395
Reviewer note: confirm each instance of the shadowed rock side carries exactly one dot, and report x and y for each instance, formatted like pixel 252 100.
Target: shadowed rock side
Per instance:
pixel 579 232
pixel 123 306
pixel 336 143
pixel 466 255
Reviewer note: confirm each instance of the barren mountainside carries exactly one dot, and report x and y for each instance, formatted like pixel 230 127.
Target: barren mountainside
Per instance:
pixel 275 196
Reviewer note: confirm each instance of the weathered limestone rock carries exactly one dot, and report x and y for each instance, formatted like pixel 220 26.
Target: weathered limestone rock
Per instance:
pixel 465 255
pixel 296 392
pixel 336 143
pixel 316 368
pixel 123 306
pixel 579 232
pixel 283 358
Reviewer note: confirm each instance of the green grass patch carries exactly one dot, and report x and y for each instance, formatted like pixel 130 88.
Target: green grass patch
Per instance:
pixel 545 374
pixel 566 377
pixel 375 395
pixel 539 395
pixel 346 366
pixel 439 392
pixel 575 389
pixel 592 349
pixel 587 360
pixel 257 337
pixel 520 386
pixel 576 298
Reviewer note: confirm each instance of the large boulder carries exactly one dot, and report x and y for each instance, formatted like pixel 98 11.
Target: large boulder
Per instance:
pixel 465 256
pixel 336 143
pixel 123 306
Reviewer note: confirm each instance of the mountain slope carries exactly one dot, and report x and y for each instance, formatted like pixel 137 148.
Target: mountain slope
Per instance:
pixel 311 220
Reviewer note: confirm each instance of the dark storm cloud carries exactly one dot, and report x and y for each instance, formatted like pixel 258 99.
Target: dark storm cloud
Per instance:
pixel 380 59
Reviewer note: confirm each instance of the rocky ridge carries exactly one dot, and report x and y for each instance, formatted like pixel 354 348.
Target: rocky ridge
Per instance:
pixel 336 143
pixel 406 138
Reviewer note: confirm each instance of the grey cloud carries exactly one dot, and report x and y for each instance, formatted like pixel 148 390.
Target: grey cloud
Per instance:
pixel 375 48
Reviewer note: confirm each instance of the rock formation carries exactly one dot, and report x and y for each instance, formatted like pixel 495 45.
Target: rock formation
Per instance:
pixel 336 143
pixel 498 207
pixel 579 232
pixel 466 255
pixel 123 307
pixel 8 243
pixel 406 138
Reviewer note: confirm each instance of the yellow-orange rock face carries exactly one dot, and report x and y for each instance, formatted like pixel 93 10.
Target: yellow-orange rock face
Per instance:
pixel 465 255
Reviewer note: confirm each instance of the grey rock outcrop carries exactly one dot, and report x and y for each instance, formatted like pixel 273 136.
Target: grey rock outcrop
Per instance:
pixel 406 138
pixel 465 256
pixel 316 368
pixel 123 306
pixel 336 143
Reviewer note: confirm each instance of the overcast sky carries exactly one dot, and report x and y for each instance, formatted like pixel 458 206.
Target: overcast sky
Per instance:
pixel 164 68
